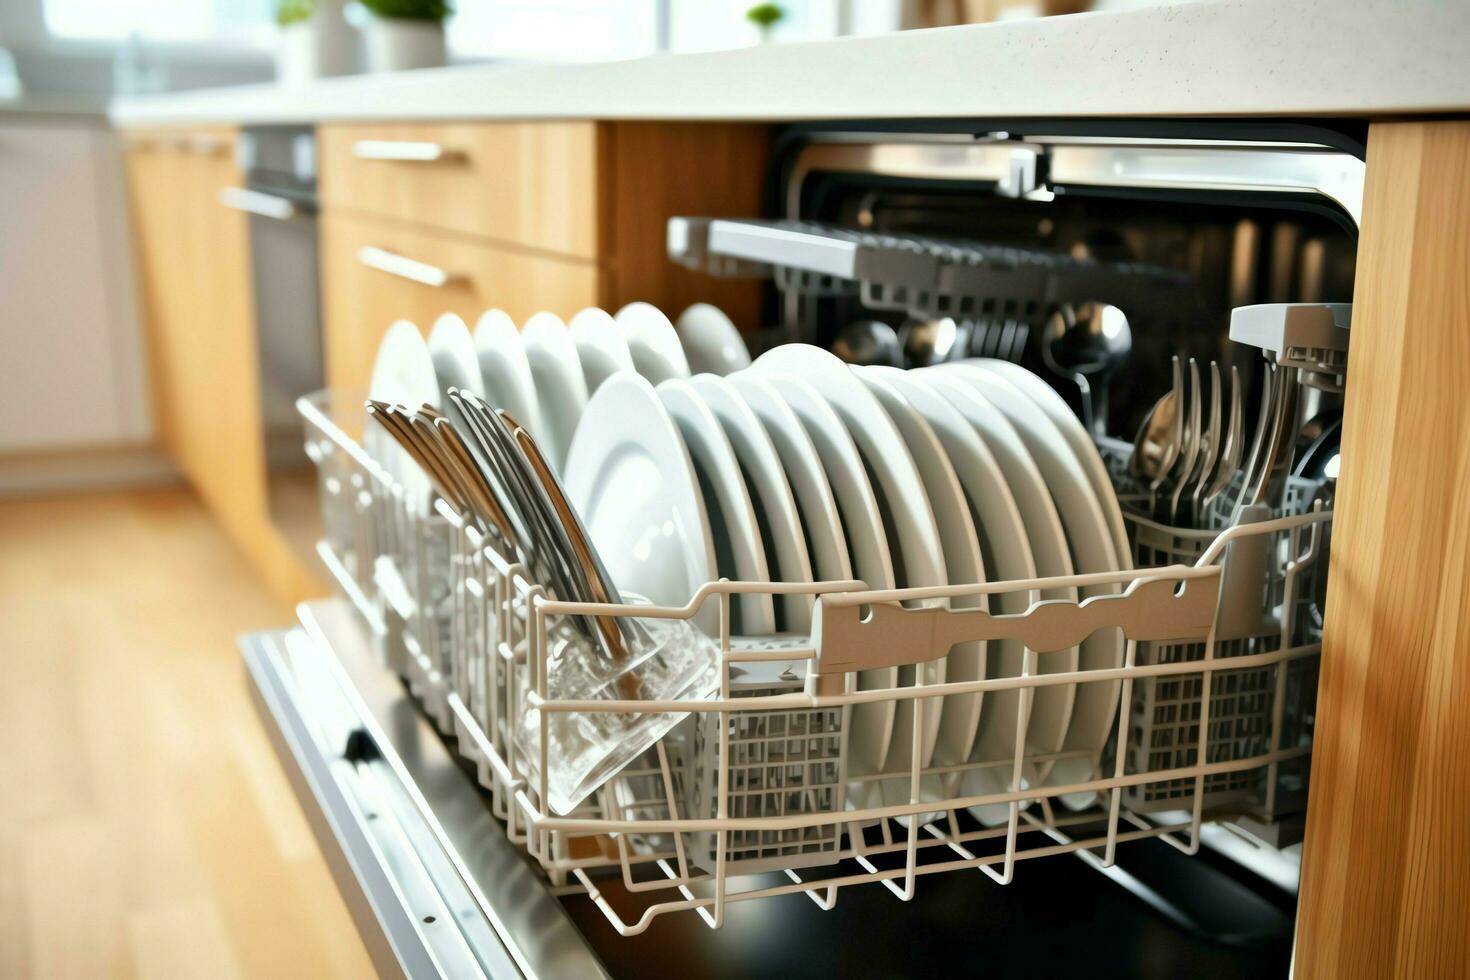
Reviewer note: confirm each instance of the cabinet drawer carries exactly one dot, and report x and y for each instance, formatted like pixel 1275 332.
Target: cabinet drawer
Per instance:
pixel 376 271
pixel 523 183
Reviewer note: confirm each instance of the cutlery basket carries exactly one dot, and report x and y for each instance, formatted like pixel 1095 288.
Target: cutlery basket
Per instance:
pixel 753 794
pixel 1269 601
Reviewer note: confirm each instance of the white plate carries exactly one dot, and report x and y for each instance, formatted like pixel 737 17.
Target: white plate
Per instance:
pixel 711 341
pixel 561 391
pixel 506 372
pixel 1007 554
pixel 862 525
pixel 816 506
pixel 456 363
pixel 739 553
pixel 1082 445
pixel 1091 542
pixel 904 503
pixel 601 348
pixel 633 484
pixel 781 525
pixel 962 560
pixel 403 374
pixel 657 353
pixel 1051 706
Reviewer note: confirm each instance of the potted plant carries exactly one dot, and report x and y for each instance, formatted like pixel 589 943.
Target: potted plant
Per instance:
pixel 315 41
pixel 765 17
pixel 405 33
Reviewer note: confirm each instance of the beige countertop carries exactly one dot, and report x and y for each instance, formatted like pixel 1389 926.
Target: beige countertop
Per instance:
pixel 1224 57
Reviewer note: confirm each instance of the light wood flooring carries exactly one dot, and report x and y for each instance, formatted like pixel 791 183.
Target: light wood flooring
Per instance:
pixel 146 828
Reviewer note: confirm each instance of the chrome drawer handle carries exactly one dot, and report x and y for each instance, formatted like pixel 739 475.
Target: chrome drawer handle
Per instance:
pixel 411 151
pixel 254 202
pixel 403 267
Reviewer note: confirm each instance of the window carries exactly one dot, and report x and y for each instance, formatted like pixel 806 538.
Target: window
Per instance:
pixel 231 21
pixel 583 30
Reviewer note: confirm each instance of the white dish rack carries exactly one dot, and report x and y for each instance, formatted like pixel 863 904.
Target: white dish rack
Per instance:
pixel 748 798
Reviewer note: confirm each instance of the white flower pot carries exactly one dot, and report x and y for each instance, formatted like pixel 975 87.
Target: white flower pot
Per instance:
pixel 394 44
pixel 320 46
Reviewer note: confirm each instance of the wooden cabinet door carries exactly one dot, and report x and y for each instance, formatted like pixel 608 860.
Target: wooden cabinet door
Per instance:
pixel 360 299
pixel 527 183
pixel 158 243
pixel 194 260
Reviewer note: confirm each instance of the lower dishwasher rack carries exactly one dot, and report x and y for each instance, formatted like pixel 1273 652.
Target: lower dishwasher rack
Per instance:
pixel 438 889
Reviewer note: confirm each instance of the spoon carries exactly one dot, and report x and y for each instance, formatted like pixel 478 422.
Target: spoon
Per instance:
pixel 1157 442
pixel 1091 340
pixel 927 342
pixel 868 342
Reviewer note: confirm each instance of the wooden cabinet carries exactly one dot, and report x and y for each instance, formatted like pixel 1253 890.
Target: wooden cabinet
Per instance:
pixel 194 259
pixel 523 216
pixel 527 184
pixel 363 298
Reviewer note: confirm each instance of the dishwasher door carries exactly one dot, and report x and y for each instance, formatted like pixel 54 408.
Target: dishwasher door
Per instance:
pixel 437 888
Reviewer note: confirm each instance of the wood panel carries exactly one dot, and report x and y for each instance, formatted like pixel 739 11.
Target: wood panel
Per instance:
pixel 195 261
pixel 360 302
pixel 146 828
pixel 193 258
pixel 532 184
pixel 655 171
pixel 1386 866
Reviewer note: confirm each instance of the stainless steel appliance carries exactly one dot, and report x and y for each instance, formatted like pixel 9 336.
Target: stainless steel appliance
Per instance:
pixel 1176 225
pixel 280 167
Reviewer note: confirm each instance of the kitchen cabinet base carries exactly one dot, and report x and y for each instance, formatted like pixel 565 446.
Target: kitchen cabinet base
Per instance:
pixel 1385 871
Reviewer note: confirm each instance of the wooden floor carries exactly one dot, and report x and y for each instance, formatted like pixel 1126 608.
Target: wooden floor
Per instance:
pixel 146 828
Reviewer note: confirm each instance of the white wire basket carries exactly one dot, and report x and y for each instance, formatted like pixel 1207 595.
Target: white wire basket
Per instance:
pixel 750 795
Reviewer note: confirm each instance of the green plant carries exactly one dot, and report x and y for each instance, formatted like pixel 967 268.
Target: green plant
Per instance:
pixel 293 11
pixel 765 15
pixel 409 9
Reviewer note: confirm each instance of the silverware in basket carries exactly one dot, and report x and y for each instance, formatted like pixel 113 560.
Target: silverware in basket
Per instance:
pixel 1230 452
pixel 616 632
pixel 1156 443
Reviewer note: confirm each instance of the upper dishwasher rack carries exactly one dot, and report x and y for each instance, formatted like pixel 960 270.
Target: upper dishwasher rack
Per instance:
pixel 919 274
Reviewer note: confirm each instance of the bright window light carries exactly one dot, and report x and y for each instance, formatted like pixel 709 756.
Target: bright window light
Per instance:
pixel 592 30
pixel 240 21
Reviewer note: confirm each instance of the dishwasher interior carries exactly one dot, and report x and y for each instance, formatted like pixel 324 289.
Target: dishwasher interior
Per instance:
pixel 395 705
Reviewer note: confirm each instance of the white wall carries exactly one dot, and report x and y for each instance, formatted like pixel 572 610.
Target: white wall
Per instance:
pixel 72 371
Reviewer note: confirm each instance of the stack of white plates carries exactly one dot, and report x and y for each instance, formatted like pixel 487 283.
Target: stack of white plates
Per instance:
pixel 801 468
pixel 689 463
pixel 543 371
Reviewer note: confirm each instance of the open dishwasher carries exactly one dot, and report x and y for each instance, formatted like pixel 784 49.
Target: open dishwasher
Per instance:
pixel 730 850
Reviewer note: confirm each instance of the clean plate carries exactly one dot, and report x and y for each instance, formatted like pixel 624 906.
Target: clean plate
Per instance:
pixel 727 505
pixel 556 372
pixel 631 479
pixel 711 341
pixel 601 349
pixel 780 522
pixel 657 353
